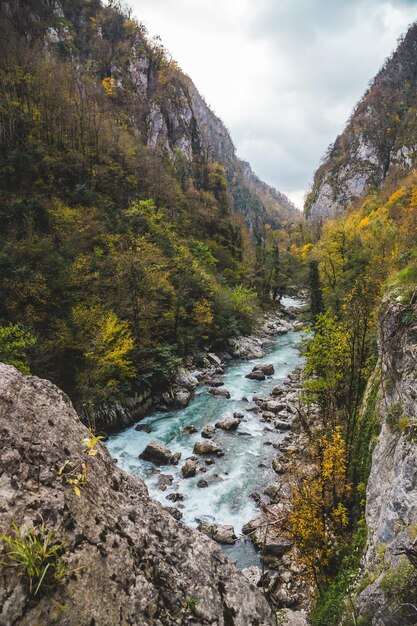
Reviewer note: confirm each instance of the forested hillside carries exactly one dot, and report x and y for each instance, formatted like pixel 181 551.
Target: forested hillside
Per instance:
pixel 378 145
pixel 359 501
pixel 131 235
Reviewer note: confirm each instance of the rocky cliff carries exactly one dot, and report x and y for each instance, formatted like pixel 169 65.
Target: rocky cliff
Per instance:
pixel 159 102
pixel 388 577
pixel 378 144
pixel 128 561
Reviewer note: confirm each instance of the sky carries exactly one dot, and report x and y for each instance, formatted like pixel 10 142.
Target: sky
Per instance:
pixel 283 75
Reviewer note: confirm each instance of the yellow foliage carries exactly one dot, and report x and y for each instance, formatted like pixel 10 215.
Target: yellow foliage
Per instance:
pixel 202 313
pixel 109 85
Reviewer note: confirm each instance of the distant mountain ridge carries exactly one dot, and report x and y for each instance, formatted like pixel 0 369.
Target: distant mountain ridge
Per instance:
pixel 379 143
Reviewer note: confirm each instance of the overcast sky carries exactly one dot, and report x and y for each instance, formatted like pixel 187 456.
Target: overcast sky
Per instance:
pixel 283 75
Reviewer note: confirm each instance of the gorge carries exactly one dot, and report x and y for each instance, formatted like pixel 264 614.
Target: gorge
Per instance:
pixel 185 359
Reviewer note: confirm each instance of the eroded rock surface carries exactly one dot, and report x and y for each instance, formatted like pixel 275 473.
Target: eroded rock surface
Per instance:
pixel 137 565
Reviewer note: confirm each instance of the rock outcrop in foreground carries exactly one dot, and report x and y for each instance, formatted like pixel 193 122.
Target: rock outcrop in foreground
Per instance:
pixel 131 562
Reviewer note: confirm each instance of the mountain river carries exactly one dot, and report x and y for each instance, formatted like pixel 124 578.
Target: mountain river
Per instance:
pixel 246 464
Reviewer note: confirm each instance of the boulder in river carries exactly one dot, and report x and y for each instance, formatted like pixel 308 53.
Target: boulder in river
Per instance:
pixel 189 430
pixel 181 399
pixel 189 468
pixel 157 453
pixel 222 533
pixel 143 427
pixel 219 392
pixel 208 431
pixel 164 481
pixel 214 381
pixel 175 497
pixel 228 424
pixel 208 447
pixel 256 375
pixel 202 483
pixel 267 369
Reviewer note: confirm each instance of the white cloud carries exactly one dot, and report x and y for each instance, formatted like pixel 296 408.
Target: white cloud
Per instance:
pixel 283 75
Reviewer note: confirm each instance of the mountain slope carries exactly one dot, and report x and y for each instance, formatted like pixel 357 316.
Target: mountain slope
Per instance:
pixel 127 223
pixel 379 143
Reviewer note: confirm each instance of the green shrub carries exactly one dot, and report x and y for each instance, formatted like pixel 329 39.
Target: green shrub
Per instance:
pixel 37 556
pixel 394 416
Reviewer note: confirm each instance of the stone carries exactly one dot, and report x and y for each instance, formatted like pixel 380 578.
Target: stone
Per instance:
pixel 209 461
pixel 256 375
pixel 219 392
pixel 208 447
pixel 176 513
pixel 218 532
pixel 213 357
pixel 214 382
pixel 277 466
pixel 158 453
pixel 238 415
pixel 175 497
pixel 281 425
pixel 202 483
pixel 189 468
pixel 208 431
pixel 268 370
pixel 182 399
pixel 273 491
pixel 293 618
pixel 253 574
pixel 228 424
pixel 278 547
pixel 189 430
pixel 164 481
pixel 274 407
pixel 113 532
pixel 186 379
pixel 143 427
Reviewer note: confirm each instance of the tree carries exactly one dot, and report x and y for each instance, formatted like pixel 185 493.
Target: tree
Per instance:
pixel 316 294
pixel 15 342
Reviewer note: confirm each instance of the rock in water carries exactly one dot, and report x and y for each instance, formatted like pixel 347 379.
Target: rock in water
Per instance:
pixel 143 427
pixel 207 447
pixel 228 424
pixel 189 468
pixel 208 431
pixel 256 375
pixel 219 392
pixel 159 454
pixel 219 532
pixel 113 531
pixel 189 430
pixel 268 370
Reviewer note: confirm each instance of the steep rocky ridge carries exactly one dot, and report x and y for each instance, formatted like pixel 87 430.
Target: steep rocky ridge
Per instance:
pixel 161 103
pixel 379 142
pixel 391 503
pixel 131 562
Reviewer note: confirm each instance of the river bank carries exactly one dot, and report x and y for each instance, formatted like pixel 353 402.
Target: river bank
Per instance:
pixel 228 405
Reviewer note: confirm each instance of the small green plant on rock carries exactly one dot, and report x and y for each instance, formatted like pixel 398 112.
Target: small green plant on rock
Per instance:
pixel 36 554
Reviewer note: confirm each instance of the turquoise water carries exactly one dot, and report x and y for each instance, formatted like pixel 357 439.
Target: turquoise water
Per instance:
pixel 245 466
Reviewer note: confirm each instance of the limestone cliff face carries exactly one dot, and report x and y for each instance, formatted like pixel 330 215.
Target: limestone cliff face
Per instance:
pixel 391 508
pixel 379 143
pixel 160 102
pixel 131 562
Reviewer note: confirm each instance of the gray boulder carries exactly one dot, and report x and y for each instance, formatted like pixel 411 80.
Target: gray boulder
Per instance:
pixel 158 453
pixel 208 447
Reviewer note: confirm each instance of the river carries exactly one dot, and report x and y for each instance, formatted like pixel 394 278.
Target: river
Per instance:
pixel 246 464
